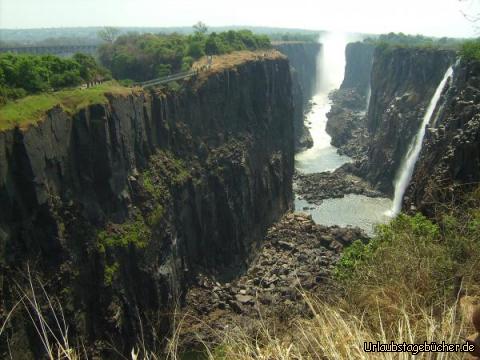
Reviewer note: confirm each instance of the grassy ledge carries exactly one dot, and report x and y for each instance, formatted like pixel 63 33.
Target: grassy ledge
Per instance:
pixel 31 109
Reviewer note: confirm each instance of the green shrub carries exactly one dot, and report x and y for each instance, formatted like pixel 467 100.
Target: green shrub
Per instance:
pixel 471 50
pixel 135 233
pixel 109 272
pixel 147 56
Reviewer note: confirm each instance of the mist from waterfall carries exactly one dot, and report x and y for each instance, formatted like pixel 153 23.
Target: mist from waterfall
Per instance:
pixel 331 62
pixel 405 171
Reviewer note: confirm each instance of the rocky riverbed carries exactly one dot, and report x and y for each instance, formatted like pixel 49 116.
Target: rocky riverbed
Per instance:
pixel 297 255
pixel 319 186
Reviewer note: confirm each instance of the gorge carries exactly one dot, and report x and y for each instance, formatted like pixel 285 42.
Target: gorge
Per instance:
pixel 227 193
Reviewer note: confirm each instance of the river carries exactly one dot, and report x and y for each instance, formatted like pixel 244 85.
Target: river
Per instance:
pixel 351 210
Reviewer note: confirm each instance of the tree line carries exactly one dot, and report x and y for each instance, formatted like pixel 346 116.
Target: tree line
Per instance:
pixel 24 74
pixel 130 57
pixel 141 57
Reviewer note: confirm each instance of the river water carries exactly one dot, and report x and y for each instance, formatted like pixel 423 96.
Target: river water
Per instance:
pixel 351 210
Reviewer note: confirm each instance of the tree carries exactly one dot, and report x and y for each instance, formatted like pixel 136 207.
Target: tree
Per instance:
pixel 108 34
pixel 88 66
pixel 200 27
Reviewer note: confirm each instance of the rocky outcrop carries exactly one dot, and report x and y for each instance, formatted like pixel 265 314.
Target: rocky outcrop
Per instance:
pixel 317 187
pixel 403 81
pixel 120 204
pixel 449 163
pixel 303 61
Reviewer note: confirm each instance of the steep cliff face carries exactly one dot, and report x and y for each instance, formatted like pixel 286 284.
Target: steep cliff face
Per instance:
pixel 303 62
pixel 449 163
pixel 124 203
pixel 303 58
pixel 346 119
pixel 358 67
pixel 403 81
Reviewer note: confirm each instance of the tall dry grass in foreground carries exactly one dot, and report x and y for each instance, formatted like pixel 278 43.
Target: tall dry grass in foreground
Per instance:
pixel 333 333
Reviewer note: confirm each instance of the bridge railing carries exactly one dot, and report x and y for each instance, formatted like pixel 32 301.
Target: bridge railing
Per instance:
pixel 166 79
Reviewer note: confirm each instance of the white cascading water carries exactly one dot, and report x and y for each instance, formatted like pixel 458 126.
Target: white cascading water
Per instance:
pixel 330 70
pixel 351 210
pixel 369 95
pixel 410 159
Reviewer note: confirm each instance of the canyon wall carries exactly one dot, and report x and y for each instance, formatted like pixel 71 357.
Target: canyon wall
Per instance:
pixel 449 163
pixel 346 119
pixel 116 208
pixel 358 67
pixel 303 61
pixel 403 81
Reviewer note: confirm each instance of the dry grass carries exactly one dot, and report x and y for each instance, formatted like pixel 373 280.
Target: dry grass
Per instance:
pixel 224 62
pixel 333 332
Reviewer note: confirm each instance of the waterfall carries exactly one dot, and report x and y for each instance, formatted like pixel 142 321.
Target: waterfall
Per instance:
pixel 331 62
pixel 405 171
pixel 369 94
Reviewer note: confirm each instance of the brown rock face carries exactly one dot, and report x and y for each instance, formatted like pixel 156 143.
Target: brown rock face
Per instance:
pixel 122 203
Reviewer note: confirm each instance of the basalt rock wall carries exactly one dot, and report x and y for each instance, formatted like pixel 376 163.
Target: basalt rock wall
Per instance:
pixel 449 163
pixel 116 208
pixel 358 67
pixel 403 81
pixel 303 61
pixel 347 117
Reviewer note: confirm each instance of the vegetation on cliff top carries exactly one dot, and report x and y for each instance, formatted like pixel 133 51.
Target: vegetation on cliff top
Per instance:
pixel 23 74
pixel 142 57
pixel 33 108
pixel 471 50
pixel 416 41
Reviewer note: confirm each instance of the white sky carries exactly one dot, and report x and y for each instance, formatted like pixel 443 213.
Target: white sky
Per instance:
pixel 429 17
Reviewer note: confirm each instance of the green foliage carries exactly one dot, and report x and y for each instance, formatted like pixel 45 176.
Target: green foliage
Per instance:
pixel 471 50
pixel 165 171
pixel 200 27
pixel 108 34
pixel 147 56
pixel 156 215
pixel 295 36
pixel 402 40
pixel 131 233
pixel 32 108
pixel 109 273
pixel 22 74
pixel 414 227
pixel 352 256
pixel 412 257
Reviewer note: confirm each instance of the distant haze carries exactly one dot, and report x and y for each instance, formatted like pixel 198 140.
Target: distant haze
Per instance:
pixel 428 17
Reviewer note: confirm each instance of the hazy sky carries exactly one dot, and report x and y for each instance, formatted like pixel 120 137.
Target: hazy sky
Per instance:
pixel 429 17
